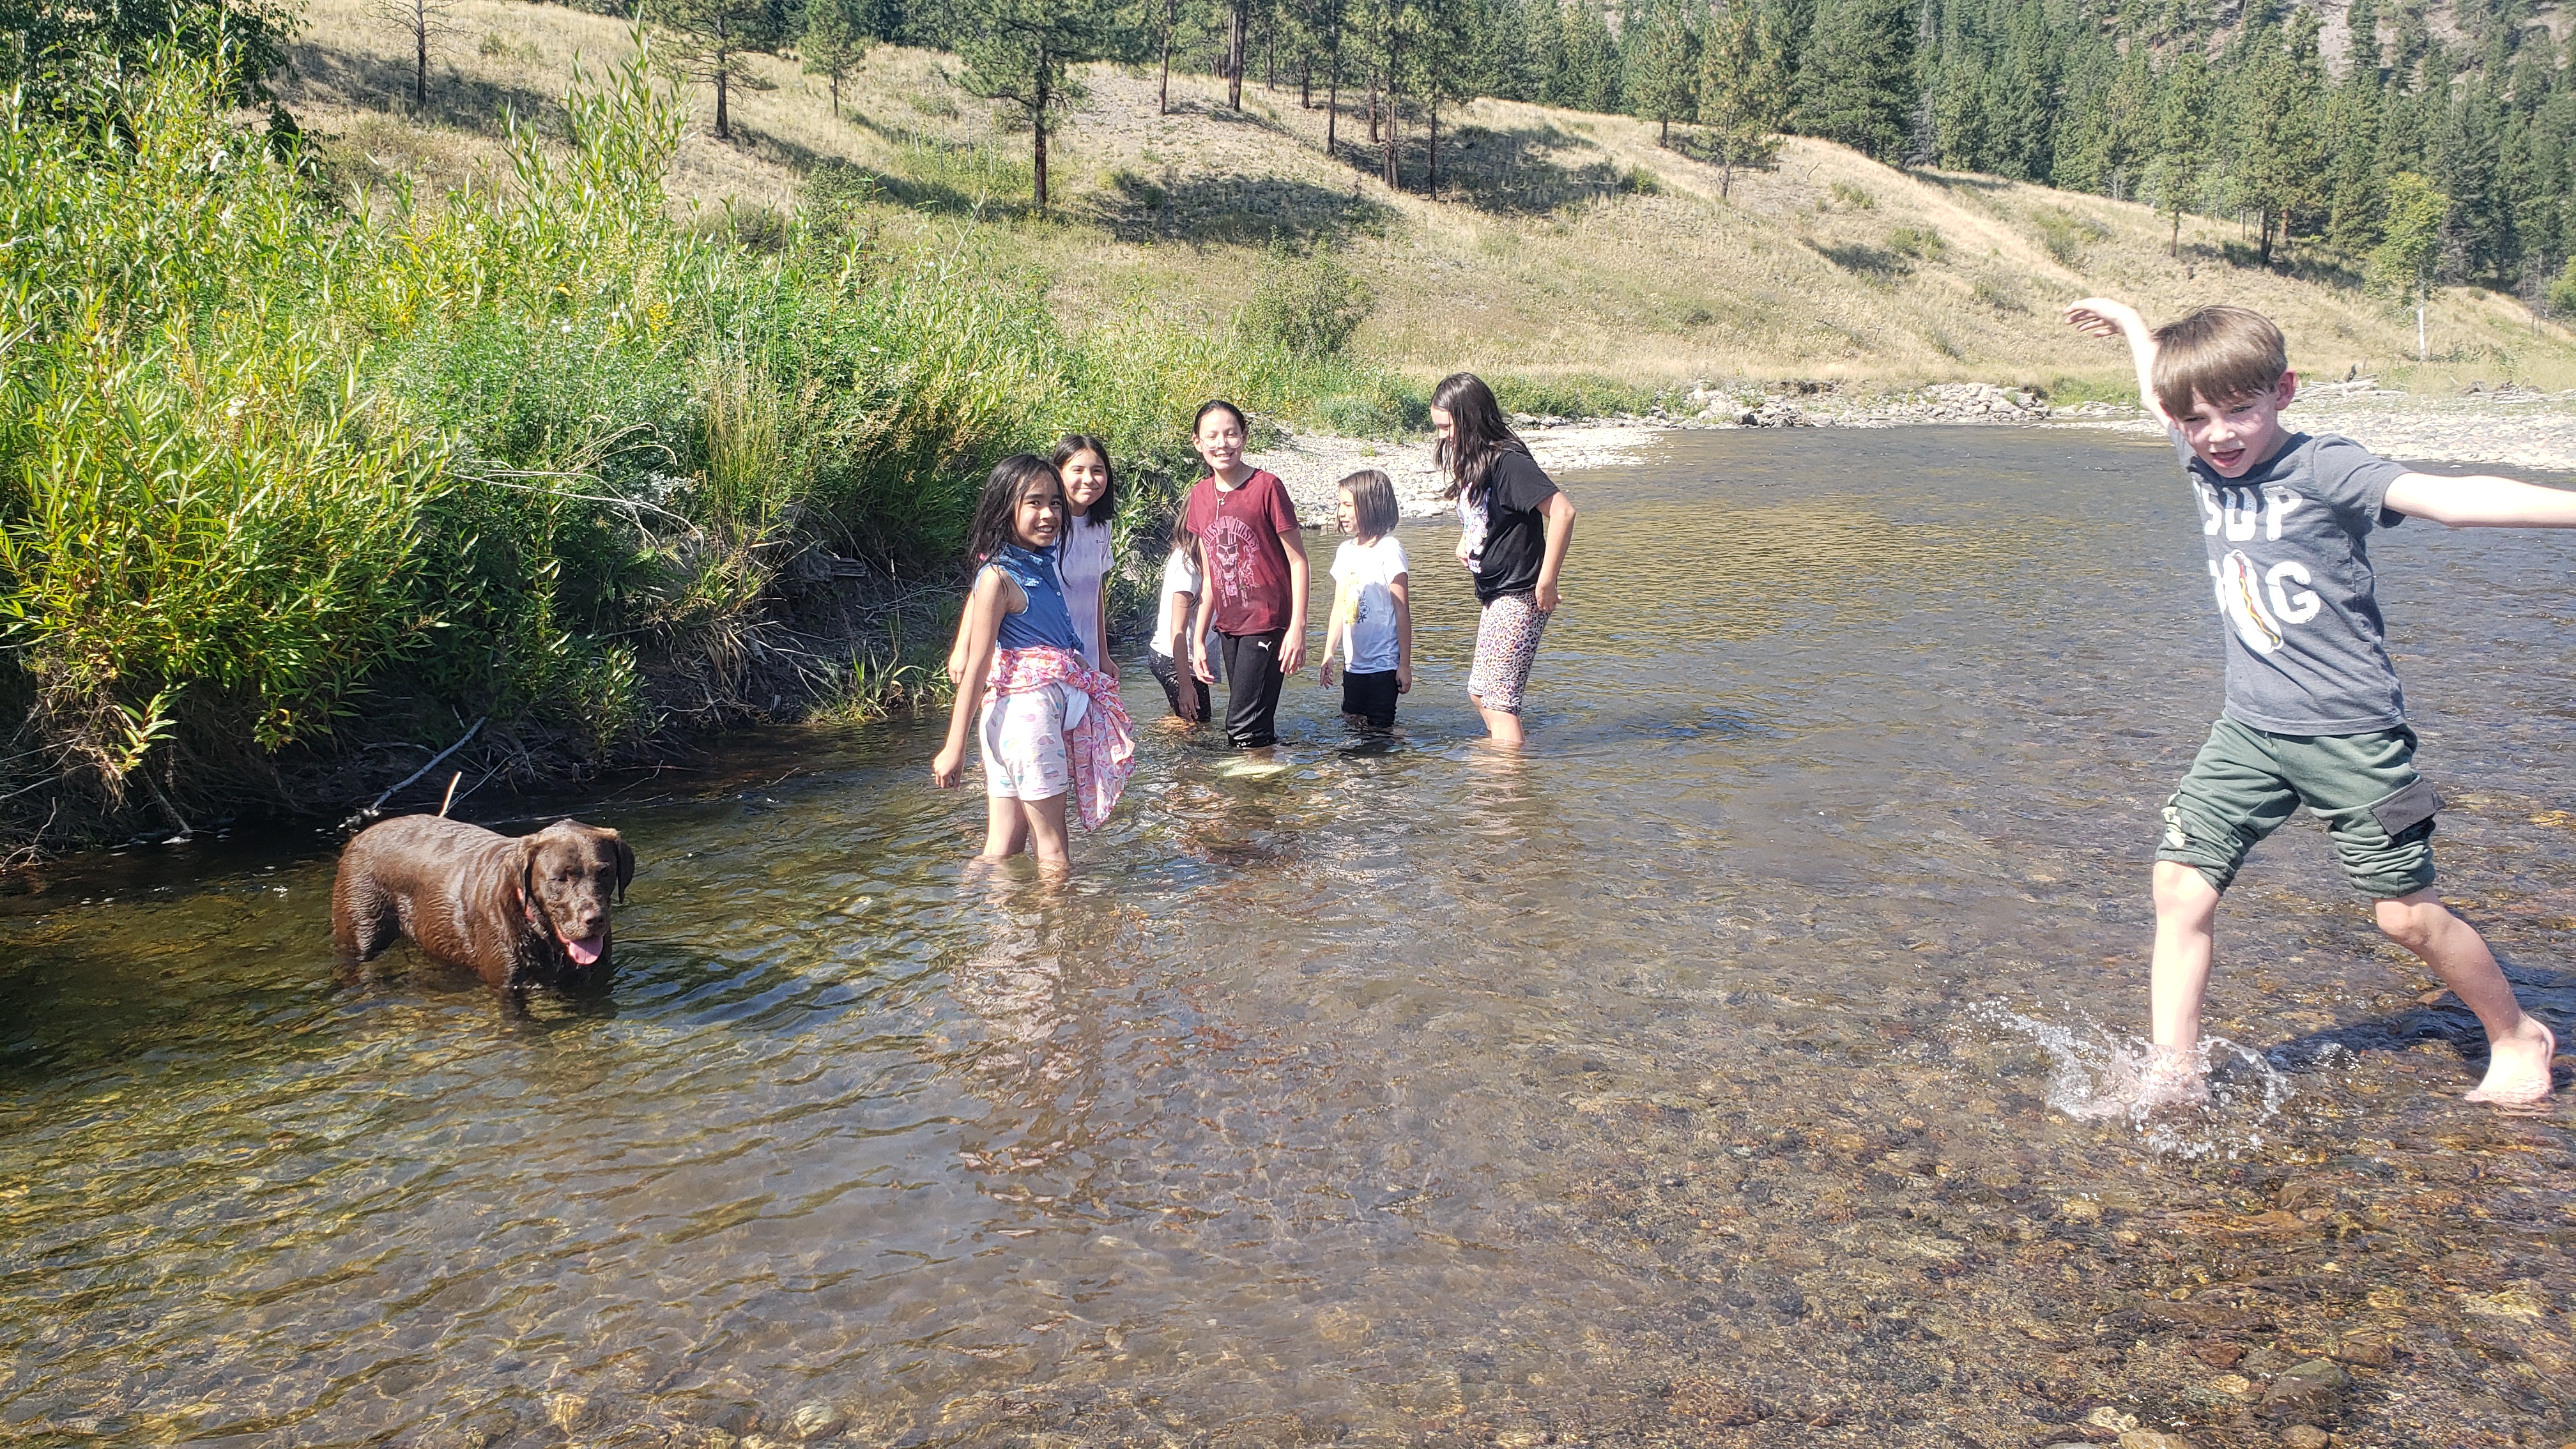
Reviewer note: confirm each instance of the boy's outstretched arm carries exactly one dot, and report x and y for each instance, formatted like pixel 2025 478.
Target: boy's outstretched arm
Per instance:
pixel 2103 317
pixel 2482 501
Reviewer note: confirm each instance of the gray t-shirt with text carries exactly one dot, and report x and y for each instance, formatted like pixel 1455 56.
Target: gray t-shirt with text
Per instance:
pixel 2289 560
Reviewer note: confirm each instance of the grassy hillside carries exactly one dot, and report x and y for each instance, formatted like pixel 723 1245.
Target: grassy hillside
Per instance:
pixel 1564 245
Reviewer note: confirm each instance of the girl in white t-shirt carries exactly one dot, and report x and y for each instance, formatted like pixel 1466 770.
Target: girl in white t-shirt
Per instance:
pixel 1083 558
pixel 1372 622
pixel 1180 603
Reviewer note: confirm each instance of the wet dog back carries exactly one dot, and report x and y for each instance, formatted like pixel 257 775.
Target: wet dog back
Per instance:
pixel 530 910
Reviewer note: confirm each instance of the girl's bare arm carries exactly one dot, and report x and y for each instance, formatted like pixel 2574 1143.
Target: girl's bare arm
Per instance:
pixel 1292 649
pixel 1104 663
pixel 1399 588
pixel 993 597
pixel 1201 618
pixel 1560 532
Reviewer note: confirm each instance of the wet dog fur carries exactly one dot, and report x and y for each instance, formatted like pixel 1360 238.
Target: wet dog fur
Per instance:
pixel 520 912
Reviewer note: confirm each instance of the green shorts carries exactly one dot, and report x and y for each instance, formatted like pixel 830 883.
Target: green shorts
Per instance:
pixel 2245 782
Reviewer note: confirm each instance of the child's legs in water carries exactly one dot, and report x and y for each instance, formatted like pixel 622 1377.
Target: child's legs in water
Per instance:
pixel 1006 827
pixel 1026 772
pixel 2229 800
pixel 1252 681
pixel 1507 635
pixel 2241 786
pixel 1049 839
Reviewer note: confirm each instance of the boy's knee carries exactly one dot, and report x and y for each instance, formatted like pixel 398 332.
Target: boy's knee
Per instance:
pixel 2412 921
pixel 2181 887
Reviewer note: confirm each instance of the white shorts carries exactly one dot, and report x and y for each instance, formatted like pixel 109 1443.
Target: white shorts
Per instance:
pixel 1023 739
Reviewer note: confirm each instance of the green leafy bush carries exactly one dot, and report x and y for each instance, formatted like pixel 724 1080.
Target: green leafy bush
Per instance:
pixel 1308 304
pixel 2064 234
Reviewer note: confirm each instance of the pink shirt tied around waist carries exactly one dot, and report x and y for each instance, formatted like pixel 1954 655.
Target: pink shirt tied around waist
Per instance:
pixel 1102 748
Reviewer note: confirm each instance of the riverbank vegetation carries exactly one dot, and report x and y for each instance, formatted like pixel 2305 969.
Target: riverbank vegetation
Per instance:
pixel 293 476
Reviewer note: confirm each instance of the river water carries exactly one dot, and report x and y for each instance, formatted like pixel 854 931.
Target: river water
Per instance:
pixel 1731 1069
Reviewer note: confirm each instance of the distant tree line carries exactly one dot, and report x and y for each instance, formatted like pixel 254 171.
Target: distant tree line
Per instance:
pixel 2434 146
pixel 2429 160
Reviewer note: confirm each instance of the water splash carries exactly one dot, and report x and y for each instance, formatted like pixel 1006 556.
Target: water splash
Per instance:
pixel 2102 1074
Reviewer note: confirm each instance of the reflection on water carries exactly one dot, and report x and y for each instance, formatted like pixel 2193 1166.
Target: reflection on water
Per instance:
pixel 1726 1071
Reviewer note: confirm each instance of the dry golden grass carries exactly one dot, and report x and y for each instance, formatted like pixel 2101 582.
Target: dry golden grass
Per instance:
pixel 1552 259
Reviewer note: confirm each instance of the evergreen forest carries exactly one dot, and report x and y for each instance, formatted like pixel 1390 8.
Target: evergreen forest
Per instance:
pixel 2421 145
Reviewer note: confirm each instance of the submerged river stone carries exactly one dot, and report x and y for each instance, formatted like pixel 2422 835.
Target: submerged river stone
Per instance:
pixel 816 1420
pixel 2311 1389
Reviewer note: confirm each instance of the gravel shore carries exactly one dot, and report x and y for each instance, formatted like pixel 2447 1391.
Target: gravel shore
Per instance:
pixel 1312 463
pixel 2507 427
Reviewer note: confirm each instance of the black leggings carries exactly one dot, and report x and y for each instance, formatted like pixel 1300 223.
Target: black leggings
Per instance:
pixel 1252 681
pixel 1172 674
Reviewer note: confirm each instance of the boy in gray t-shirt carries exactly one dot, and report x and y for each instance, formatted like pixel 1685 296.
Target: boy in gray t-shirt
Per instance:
pixel 2314 714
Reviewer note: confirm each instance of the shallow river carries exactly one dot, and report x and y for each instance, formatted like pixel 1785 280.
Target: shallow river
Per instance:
pixel 1731 1070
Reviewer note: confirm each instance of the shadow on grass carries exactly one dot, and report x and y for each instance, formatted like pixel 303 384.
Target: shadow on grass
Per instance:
pixel 1702 147
pixel 1869 263
pixel 1961 180
pixel 937 187
pixel 1225 114
pixel 379 84
pixel 1245 210
pixel 1518 171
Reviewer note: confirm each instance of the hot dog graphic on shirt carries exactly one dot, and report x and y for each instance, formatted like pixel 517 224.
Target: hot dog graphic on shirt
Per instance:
pixel 2258 601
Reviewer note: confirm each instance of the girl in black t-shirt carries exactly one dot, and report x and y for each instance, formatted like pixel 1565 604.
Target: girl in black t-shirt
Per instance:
pixel 1514 525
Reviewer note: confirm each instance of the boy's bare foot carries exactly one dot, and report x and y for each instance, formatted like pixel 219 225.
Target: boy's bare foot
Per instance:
pixel 2518 1065
pixel 2173 1078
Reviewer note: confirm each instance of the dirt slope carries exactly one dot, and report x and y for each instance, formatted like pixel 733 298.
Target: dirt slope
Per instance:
pixel 1563 242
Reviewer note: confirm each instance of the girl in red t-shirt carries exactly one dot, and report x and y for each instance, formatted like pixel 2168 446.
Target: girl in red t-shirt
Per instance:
pixel 1252 557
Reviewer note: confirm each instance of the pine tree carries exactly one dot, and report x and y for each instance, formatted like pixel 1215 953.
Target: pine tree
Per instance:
pixel 705 40
pixel 836 40
pixel 1741 88
pixel 2356 195
pixel 2021 96
pixel 2183 137
pixel 1590 81
pixel 2279 152
pixel 1019 52
pixel 1545 63
pixel 1663 66
pixel 1862 61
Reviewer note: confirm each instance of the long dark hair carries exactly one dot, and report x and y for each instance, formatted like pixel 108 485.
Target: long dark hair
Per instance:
pixel 1104 507
pixel 997 509
pixel 1480 437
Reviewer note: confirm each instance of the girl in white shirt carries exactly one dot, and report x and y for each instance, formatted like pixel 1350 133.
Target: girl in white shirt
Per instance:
pixel 1084 557
pixel 1180 603
pixel 1372 621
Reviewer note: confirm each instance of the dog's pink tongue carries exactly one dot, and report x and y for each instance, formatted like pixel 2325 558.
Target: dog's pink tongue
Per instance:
pixel 583 952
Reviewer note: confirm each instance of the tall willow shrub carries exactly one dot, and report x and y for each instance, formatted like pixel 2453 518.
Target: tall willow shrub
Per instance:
pixel 278 462
pixel 200 507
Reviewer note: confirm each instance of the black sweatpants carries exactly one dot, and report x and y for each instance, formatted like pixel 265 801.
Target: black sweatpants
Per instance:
pixel 1174 675
pixel 1252 682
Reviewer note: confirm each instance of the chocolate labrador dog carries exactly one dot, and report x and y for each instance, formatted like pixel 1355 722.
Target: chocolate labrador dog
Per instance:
pixel 519 912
